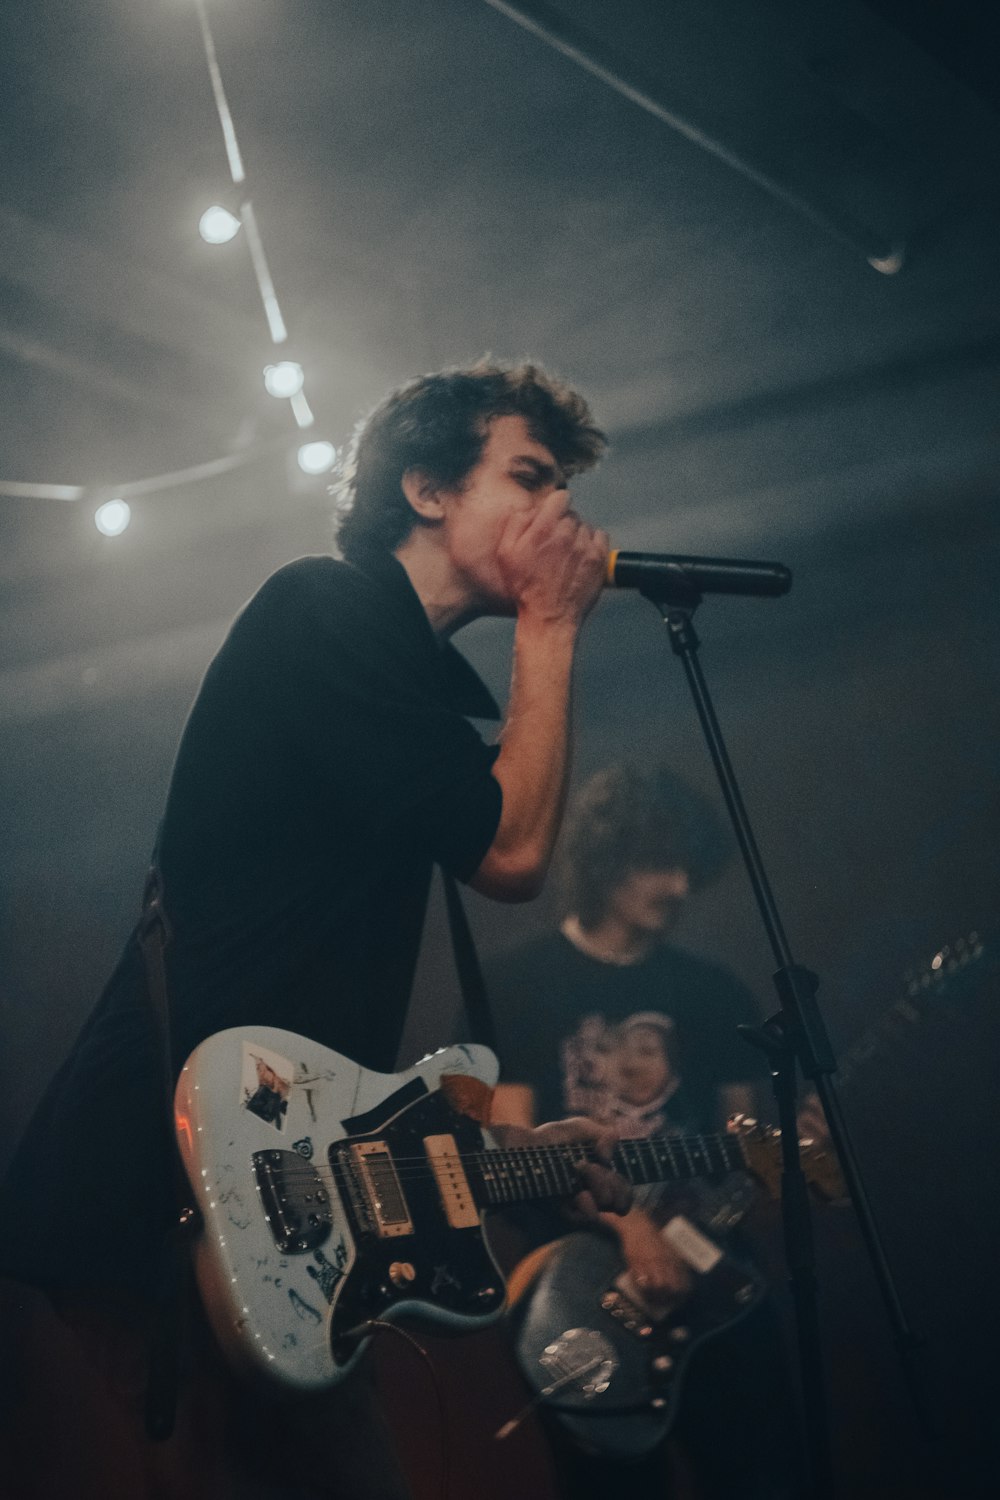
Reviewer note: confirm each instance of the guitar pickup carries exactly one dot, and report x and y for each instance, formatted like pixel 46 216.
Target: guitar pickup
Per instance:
pixel 375 1177
pixel 456 1196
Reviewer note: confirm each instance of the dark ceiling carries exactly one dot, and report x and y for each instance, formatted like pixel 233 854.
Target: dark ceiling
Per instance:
pixel 431 180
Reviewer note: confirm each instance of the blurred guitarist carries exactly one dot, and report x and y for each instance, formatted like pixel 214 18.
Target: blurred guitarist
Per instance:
pixel 608 1018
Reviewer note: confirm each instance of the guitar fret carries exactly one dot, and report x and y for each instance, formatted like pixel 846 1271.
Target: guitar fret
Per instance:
pixel 530 1172
pixel 562 1169
pixel 482 1175
pixel 555 1169
pixel 666 1150
pixel 730 1153
pixel 575 1156
pixel 503 1176
pixel 631 1162
pixel 703 1165
pixel 539 1173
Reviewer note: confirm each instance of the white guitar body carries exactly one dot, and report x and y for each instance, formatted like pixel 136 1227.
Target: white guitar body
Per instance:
pixel 330 1195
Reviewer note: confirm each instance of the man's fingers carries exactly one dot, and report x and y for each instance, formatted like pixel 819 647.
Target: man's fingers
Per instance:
pixel 583 1210
pixel 604 1139
pixel 609 1192
pixel 602 1190
pixel 579 1128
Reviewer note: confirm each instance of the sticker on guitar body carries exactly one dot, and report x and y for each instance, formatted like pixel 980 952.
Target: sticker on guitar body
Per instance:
pixel 265 1084
pixel 693 1247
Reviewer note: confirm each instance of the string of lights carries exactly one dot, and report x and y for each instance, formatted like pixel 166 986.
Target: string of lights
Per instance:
pixel 284 379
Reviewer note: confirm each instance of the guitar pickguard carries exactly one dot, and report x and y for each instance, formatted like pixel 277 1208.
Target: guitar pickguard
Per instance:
pixel 430 1270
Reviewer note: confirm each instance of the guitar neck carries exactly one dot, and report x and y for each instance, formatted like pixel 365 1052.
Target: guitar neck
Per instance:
pixel 523 1174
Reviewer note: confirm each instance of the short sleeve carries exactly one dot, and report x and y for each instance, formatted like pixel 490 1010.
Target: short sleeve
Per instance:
pixel 352 673
pixel 458 828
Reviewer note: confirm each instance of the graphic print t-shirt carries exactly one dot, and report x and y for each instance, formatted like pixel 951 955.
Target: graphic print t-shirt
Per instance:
pixel 643 1046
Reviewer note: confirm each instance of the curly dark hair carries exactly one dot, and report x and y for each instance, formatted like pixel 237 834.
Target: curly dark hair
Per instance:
pixel 625 818
pixel 440 423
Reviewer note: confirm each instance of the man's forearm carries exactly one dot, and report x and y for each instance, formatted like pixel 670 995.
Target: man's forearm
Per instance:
pixel 533 765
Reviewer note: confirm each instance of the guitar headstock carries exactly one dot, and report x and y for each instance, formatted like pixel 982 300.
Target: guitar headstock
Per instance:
pixel 761 1146
pixel 937 975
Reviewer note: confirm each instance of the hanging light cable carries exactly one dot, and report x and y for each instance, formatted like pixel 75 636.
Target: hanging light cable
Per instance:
pixel 237 171
pixel 221 102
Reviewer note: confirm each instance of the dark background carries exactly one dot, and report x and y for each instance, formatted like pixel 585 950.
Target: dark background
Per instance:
pixel 432 182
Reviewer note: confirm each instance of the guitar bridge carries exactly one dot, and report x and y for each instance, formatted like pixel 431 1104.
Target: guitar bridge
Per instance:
pixel 295 1202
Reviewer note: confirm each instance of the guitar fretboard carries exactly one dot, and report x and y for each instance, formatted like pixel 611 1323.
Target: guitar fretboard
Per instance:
pixel 524 1173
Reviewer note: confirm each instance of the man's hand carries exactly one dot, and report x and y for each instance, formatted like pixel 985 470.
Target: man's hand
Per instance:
pixel 811 1120
pixel 553 563
pixel 602 1190
pixel 552 566
pixel 658 1270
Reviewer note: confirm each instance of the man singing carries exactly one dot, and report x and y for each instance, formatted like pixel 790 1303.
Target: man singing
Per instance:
pixel 326 765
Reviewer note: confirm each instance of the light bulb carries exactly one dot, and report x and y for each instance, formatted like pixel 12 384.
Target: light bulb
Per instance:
pixel 316 458
pixel 112 517
pixel 284 379
pixel 217 225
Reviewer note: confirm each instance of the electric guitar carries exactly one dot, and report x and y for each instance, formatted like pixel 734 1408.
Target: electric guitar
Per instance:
pixel 588 1343
pixel 591 1346
pixel 333 1198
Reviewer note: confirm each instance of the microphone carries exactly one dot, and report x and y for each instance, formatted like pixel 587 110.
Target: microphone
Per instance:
pixel 659 574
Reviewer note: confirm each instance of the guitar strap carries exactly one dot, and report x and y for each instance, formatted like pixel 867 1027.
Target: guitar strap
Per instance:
pixel 471 983
pixel 154 934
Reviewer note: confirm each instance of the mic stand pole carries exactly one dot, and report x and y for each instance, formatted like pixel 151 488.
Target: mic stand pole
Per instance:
pixel 795 1034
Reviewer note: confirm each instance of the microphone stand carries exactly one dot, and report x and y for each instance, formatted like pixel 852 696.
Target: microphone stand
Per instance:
pixel 794 1035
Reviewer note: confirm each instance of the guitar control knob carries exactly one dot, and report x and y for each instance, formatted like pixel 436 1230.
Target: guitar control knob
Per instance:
pixel 680 1335
pixel 658 1403
pixel 662 1364
pixel 402 1273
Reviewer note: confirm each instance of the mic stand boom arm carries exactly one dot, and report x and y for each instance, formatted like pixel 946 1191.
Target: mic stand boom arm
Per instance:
pixel 795 1034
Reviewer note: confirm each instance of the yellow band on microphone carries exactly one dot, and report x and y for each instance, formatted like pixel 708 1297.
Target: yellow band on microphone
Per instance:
pixel 612 559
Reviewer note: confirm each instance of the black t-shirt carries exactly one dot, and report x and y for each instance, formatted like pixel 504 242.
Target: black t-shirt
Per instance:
pixel 644 1046
pixel 325 766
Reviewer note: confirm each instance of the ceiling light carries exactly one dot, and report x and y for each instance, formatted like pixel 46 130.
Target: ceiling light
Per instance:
pixel 317 458
pixel 217 225
pixel 112 517
pixel 284 379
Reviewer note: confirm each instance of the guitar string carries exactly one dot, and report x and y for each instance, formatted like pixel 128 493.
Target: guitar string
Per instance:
pixel 517 1167
pixel 688 1148
pixel 695 1161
